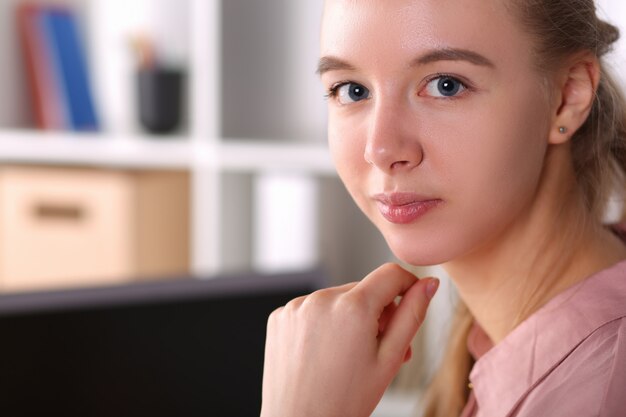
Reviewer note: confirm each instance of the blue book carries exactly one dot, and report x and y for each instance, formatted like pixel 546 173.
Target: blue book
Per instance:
pixel 70 68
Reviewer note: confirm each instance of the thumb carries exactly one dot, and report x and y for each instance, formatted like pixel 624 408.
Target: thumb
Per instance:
pixel 407 319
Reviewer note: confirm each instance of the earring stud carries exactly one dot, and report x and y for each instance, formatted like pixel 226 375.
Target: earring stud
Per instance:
pixel 562 129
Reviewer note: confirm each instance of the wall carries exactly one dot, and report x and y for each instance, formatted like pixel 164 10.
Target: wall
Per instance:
pixel 269 70
pixel 615 12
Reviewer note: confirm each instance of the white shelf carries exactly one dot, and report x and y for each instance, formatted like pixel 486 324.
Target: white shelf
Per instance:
pixel 67 148
pixel 162 152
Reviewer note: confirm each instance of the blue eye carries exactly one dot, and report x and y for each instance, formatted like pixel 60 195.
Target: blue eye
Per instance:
pixel 444 86
pixel 349 93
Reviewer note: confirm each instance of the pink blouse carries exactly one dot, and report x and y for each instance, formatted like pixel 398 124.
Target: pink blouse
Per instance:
pixel 567 359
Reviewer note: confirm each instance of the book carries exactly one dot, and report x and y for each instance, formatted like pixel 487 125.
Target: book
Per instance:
pixel 45 97
pixel 69 62
pixel 58 72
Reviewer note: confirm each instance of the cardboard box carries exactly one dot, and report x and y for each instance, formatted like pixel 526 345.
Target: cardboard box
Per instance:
pixel 62 227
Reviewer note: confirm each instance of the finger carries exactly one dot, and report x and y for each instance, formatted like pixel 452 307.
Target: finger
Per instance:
pixel 383 285
pixel 385 316
pixel 295 303
pixel 345 287
pixel 407 319
pixel 408 355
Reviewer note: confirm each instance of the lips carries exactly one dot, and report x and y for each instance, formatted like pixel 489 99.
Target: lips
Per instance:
pixel 404 208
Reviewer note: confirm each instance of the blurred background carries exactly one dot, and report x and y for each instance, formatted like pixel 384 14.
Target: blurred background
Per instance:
pixel 228 171
pixel 193 146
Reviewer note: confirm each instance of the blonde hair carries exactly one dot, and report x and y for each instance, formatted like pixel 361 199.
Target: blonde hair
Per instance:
pixel 560 28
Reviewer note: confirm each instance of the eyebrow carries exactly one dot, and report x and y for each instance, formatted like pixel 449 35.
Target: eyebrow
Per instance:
pixel 330 63
pixel 453 54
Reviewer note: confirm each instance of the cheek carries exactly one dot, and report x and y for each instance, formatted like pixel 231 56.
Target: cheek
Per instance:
pixel 492 170
pixel 487 168
pixel 507 160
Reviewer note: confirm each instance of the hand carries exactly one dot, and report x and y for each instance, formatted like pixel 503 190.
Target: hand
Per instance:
pixel 334 352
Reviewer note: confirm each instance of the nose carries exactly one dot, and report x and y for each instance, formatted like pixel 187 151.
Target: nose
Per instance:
pixel 392 144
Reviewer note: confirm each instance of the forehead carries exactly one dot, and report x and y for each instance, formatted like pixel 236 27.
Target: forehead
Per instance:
pixel 388 30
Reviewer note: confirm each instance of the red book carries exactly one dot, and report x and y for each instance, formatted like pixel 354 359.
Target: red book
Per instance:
pixel 45 95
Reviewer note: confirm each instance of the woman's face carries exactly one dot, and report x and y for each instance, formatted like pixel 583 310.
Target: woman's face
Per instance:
pixel 438 123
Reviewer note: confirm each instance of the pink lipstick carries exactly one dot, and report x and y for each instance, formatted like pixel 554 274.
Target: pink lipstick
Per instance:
pixel 404 208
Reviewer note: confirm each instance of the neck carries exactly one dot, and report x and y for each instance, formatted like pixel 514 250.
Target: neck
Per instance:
pixel 553 246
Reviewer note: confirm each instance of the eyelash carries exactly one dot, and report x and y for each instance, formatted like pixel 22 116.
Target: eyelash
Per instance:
pixel 466 86
pixel 332 91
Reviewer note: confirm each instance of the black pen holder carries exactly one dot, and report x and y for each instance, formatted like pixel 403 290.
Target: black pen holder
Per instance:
pixel 160 99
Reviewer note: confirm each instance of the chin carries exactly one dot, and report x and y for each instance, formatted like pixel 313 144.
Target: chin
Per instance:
pixel 427 252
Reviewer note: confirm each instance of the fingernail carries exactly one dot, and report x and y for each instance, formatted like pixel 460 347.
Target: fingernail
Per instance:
pixel 431 288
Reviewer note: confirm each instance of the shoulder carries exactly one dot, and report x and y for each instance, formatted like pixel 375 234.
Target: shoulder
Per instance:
pixel 614 401
pixel 569 358
pixel 589 382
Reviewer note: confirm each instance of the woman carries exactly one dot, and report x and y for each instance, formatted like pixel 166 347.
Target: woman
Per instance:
pixel 484 135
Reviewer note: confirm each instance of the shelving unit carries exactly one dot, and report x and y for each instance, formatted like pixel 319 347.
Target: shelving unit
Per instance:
pixel 254 108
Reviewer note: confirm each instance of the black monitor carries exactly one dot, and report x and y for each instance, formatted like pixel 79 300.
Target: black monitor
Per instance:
pixel 183 347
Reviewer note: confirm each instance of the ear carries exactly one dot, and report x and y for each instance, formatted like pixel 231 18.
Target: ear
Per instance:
pixel 576 94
